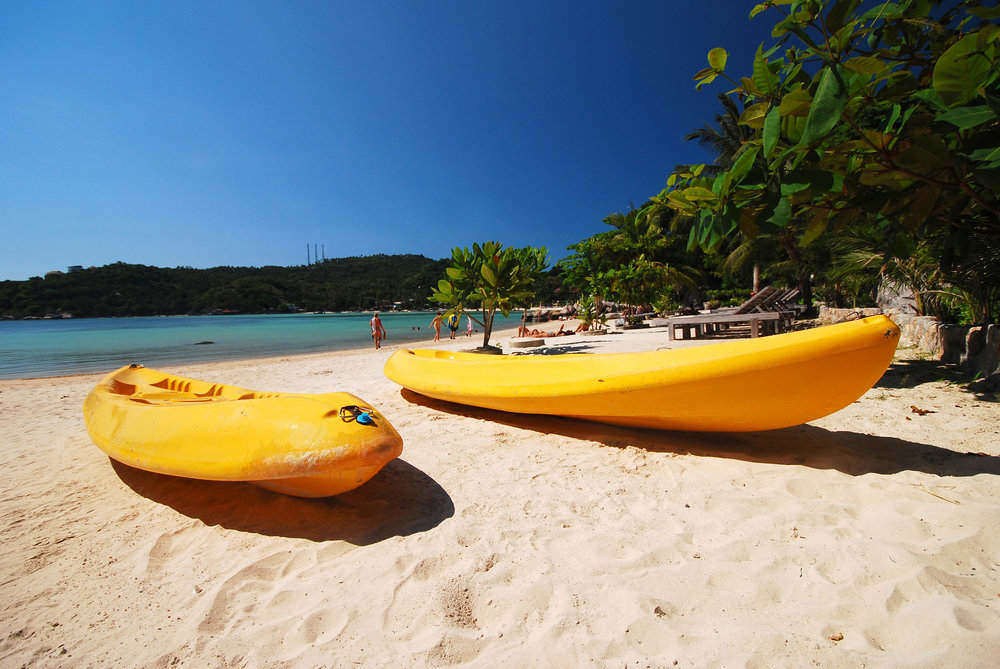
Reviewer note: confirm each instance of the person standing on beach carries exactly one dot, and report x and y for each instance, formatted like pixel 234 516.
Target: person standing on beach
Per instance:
pixel 436 324
pixel 378 331
pixel 453 324
pixel 468 325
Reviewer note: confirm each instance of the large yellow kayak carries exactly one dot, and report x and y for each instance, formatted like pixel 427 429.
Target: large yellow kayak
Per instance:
pixel 297 444
pixel 754 384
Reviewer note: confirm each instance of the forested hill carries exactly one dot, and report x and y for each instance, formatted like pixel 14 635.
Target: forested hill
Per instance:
pixel 342 284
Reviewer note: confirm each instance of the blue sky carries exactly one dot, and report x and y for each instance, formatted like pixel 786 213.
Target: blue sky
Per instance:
pixel 233 133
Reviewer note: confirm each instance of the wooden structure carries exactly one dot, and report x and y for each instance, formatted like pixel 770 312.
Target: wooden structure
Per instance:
pixel 700 325
pixel 767 309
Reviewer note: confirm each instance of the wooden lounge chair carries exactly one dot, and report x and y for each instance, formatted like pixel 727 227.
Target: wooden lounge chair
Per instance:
pixel 753 303
pixel 760 312
pixel 701 325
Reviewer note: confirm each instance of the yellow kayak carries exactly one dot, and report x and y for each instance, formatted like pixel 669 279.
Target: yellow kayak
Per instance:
pixel 297 444
pixel 754 384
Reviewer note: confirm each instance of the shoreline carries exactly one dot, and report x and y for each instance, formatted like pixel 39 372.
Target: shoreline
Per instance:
pixel 866 537
pixel 23 354
pixel 274 358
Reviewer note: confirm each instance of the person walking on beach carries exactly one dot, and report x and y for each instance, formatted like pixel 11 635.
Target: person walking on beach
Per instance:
pixel 436 324
pixel 453 324
pixel 378 331
pixel 468 325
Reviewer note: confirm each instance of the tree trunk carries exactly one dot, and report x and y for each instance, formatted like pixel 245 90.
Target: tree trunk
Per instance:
pixel 756 278
pixel 487 327
pixel 806 292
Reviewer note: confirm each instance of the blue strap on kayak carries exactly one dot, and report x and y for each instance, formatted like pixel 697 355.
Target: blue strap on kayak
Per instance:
pixel 353 412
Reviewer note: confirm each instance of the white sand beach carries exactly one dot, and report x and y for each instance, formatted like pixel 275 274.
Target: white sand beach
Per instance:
pixel 867 538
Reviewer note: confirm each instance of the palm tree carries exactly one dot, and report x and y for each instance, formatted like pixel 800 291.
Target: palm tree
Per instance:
pixel 726 139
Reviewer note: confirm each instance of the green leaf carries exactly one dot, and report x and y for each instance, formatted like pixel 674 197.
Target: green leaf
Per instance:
pixel 693 238
pixel 892 118
pixel 717 58
pixel 839 12
pixel 762 77
pixel 960 71
pixel 817 226
pixel 772 131
pixel 967 117
pixel 792 128
pixel 989 154
pixel 826 109
pixel 741 166
pixel 930 96
pixel 696 193
pixel 793 188
pixel 707 80
pixel 782 213
pixel 753 115
pixel 987 34
pixel 758 9
pixel 866 65
pixel 884 10
pixel 489 274
pixel 795 103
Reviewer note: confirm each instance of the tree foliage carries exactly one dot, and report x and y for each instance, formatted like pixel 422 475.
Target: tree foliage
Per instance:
pixel 119 289
pixel 636 262
pixel 883 117
pixel 492 278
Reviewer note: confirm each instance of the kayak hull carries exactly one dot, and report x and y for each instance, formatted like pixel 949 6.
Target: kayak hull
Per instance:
pixel 296 444
pixel 748 385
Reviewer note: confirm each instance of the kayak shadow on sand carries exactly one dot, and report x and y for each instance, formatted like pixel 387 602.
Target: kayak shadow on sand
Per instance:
pixel 398 501
pixel 852 453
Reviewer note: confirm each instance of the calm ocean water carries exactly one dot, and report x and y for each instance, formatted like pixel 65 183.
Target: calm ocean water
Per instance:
pixel 84 345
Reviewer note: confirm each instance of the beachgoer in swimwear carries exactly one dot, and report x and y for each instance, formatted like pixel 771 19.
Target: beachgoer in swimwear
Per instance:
pixel 523 330
pixel 378 330
pixel 468 325
pixel 436 324
pixel 453 324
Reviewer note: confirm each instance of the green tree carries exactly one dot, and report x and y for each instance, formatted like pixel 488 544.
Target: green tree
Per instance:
pixel 491 277
pixel 884 118
pixel 635 262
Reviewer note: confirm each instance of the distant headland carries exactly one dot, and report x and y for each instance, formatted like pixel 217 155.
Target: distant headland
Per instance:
pixel 340 284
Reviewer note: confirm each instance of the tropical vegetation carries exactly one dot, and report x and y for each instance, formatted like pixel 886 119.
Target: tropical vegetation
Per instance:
pixel 344 284
pixel 489 278
pixel 862 148
pixel 871 149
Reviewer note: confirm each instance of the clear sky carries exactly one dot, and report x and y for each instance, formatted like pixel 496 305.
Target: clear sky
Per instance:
pixel 234 133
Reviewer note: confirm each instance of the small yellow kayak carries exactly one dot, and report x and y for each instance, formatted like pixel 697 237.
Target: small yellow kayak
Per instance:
pixel 754 384
pixel 296 444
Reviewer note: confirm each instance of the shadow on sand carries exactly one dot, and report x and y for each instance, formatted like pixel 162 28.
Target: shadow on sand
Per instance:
pixel 912 373
pixel 556 349
pixel 398 501
pixel 852 453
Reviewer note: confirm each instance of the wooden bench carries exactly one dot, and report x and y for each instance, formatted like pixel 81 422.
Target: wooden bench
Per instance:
pixel 704 324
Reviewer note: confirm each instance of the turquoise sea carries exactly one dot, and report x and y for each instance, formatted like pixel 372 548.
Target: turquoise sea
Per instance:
pixel 85 345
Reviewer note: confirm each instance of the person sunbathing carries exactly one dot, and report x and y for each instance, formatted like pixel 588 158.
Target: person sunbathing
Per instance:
pixel 558 333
